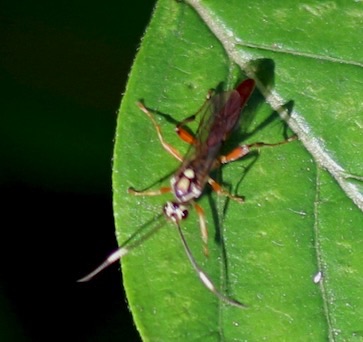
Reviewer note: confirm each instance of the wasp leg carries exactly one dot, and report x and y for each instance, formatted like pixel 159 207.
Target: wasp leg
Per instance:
pixel 183 133
pixel 168 148
pixel 203 227
pixel 220 191
pixel 163 190
pixel 243 150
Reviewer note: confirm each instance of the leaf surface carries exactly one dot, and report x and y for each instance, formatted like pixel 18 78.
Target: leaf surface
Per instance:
pixel 303 199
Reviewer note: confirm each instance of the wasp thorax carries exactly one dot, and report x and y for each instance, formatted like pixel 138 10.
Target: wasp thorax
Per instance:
pixel 175 211
pixel 184 186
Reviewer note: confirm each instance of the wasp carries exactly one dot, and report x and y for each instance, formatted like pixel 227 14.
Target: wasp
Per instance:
pixel 220 115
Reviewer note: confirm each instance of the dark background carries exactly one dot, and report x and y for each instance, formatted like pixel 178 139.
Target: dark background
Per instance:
pixel 63 68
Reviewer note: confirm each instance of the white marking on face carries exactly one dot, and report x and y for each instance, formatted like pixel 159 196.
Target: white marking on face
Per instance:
pixel 175 212
pixel 169 209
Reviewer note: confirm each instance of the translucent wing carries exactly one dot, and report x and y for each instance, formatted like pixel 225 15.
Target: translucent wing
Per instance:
pixel 220 115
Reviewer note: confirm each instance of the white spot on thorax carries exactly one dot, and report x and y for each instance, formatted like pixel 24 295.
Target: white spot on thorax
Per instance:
pixel 189 173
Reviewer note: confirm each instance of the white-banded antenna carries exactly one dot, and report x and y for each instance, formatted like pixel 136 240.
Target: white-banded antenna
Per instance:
pixel 128 246
pixel 207 282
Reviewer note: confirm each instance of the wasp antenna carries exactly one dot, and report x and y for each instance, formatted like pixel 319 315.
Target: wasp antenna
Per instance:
pixel 203 276
pixel 115 256
pixel 134 241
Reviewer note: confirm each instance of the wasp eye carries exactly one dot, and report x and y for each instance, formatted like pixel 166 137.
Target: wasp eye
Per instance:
pixel 185 214
pixel 175 211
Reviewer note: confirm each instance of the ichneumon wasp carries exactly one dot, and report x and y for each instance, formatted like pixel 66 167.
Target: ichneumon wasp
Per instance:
pixel 220 115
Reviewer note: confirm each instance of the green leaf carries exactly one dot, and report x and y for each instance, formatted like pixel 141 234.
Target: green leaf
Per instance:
pixel 303 199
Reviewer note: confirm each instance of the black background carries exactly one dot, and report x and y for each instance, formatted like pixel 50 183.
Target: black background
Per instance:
pixel 63 68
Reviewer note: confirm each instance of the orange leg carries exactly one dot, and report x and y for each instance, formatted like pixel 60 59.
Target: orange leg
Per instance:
pixel 220 191
pixel 163 190
pixel 203 227
pixel 237 153
pixel 168 148
pixel 242 150
pixel 185 135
